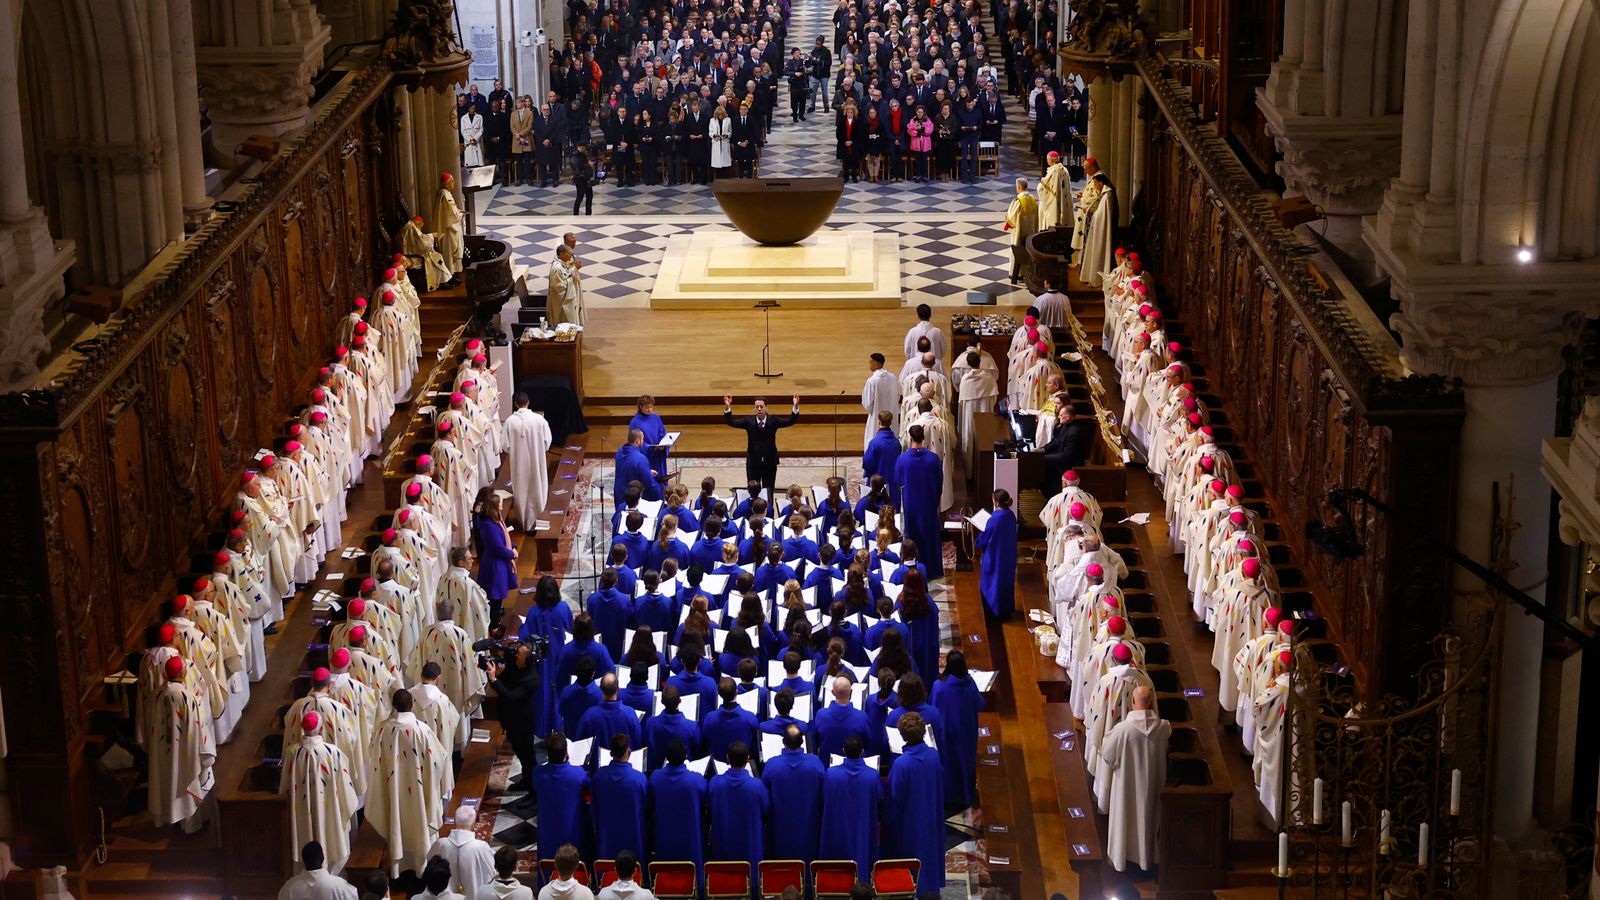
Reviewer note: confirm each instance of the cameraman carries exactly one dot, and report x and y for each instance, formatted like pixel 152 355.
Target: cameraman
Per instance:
pixel 516 685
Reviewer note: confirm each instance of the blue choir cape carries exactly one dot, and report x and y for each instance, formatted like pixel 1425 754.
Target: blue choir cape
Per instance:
pixel 800 547
pixel 675 549
pixel 874 638
pixel 914 815
pixel 626 581
pixel 958 702
pixel 739 806
pixel 654 430
pixel 659 732
pixel 551 623
pixel 794 783
pixel 930 717
pixel 687 520
pixel 920 475
pixel 832 725
pixel 575 700
pixel 924 645
pixel 612 611
pixel 658 611
pixel 707 552
pixel 778 724
pixel 877 717
pixel 604 719
pixel 883 452
pixel 850 793
pixel 638 546
pixel 560 788
pixel 769 579
pixel 722 726
pixel 997 576
pixel 640 697
pixel 618 791
pixel 678 797
pixel 590 648
pixel 696 683
pixel 633 465
pixel 828 511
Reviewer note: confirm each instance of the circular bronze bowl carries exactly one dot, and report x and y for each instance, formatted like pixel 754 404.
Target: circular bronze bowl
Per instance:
pixel 778 211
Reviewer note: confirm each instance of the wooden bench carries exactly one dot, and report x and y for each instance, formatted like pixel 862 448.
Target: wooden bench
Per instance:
pixel 1084 829
pixel 563 493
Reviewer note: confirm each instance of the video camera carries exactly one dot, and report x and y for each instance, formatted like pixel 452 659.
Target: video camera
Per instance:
pixel 504 650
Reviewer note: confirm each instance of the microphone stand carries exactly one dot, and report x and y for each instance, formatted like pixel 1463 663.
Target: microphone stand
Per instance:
pixel 766 307
pixel 836 434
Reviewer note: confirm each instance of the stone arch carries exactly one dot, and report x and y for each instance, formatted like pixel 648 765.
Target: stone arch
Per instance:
pixel 1517 117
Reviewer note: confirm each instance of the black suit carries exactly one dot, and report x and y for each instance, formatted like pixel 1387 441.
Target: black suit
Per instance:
pixel 761 454
pixel 1067 448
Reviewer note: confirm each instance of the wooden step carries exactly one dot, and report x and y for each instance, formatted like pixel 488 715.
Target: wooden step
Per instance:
pixel 678 415
pixel 804 439
pixel 139 879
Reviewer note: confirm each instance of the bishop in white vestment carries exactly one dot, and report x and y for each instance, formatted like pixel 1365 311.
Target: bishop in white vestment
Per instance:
pixel 447 224
pixel 409 785
pixel 322 795
pixel 528 441
pixel 181 750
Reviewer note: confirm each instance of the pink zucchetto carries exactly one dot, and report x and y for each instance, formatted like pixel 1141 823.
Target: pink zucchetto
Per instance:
pixel 1069 475
pixel 174 668
pixel 1236 491
pixel 1218 485
pixel 368 584
pixel 1122 654
pixel 292 447
pixel 1207 463
pixel 1094 570
pixel 457 398
pixel 1116 625
pixel 1250 568
pixel 340 658
pixel 360 303
pixel 388 535
pixel 358 634
pixel 1273 615
pixel 358 607
pixel 1078 510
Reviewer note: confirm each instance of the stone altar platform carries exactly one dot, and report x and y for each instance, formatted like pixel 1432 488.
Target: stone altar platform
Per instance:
pixel 838 269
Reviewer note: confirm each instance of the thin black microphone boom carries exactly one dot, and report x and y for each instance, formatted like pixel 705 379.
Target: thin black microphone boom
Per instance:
pixel 836 433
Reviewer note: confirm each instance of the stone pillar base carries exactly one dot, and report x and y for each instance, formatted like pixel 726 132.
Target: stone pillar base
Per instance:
pixel 33 265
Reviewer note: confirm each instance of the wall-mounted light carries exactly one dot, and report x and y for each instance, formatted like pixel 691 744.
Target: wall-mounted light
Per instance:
pixel 1524 256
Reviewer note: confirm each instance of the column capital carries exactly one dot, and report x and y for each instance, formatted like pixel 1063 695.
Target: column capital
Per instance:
pixel 264 88
pixel 1572 466
pixel 1341 163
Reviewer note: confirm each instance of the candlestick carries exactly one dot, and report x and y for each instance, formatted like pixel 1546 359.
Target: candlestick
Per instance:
pixel 1283 854
pixel 1383 832
pixel 1345 832
pixel 1316 802
pixel 1422 844
pixel 1455 792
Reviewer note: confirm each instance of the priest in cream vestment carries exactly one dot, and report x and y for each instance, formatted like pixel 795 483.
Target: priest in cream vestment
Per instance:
pixel 322 795
pixel 565 303
pixel 1135 753
pixel 528 441
pixel 447 224
pixel 409 785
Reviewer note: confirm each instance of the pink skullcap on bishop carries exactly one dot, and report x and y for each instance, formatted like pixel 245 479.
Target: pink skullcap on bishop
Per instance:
pixel 388 298
pixel 317 418
pixel 1247 544
pixel 1069 475
pixel 292 447
pixel 469 384
pixel 403 516
pixel 367 584
pixel 295 429
pixel 1237 517
pixel 1206 430
pixel 1052 155
pixel 1155 316
pixel 1042 347
pixel 1030 320
pixel 1111 601
pixel 324 372
pixel 1121 653
pixel 360 343
pixel 309 722
pixel 361 328
pixel 1284 658
pixel 1033 335
pixel 479 359
pixel 389 274
pixel 236 534
pixel 268 461
pixel 361 303
pixel 341 350
pixel 1207 463
pixel 1250 567
pixel 1236 491
pixel 180 603
pixel 1078 510
pixel 424 460
pixel 443 428
pixel 318 395
pixel 388 535
pixel 1116 625
pixel 1190 404
pixel 166 634
pixel 175 667
pixel 247 477
pixel 413 490
pixel 322 673
pixel 202 584
pixel 1122 251
pixel 1286 627
pixel 1194 418
pixel 222 558
pixel 1144 309
pixel 1174 347
pixel 1144 336
pixel 1218 485
pixel 340 658
pixel 399 258
pixel 358 608
pixel 1093 570
pixel 474 344
pixel 358 633
pixel 1273 615
pixel 457 397
pixel 238 515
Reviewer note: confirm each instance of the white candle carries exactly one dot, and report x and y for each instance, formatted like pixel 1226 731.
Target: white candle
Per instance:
pixel 1455 792
pixel 1422 844
pixel 1316 802
pixel 1283 854
pixel 1383 832
pixel 1345 832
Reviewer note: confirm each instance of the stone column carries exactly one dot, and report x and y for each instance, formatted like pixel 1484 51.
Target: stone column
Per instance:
pixel 166 121
pixel 256 65
pixel 31 262
pixel 186 109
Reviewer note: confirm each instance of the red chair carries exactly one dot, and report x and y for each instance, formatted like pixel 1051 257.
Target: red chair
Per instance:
pixel 605 870
pixel 727 880
pixel 674 880
pixel 832 878
pixel 777 874
pixel 547 872
pixel 896 879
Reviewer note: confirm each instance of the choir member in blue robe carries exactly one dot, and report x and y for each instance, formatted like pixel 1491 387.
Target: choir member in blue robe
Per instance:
pixel 920 475
pixel 914 814
pixel 618 792
pixel 879 704
pixel 655 609
pixel 794 784
pixel 833 504
pixel 632 537
pixel 728 724
pixel 667 545
pixel 752 614
pixel 796 545
pixel 629 503
pixel 739 807
pixel 742 509
pixel 841 628
pixel 886 622
pixel 638 695
pixel 850 795
pixel 678 802
pixel 633 465
pixel 753 549
pixel 910 560
pixel 879 460
pixel 660 731
pixel 748 671
pixel 921 617
pixel 772 574
pixel 578 697
pixel 837 722
pixel 792 680
pixel 550 618
pixel 612 613
pixel 647 423
pixel 609 717
pixel 782 706
pixel 560 787
pixel 956 697
pixel 693 681
pixel 997 579
pixel 878 489
pixel 736 647
pixel 707 551
pixel 583 646
pixel 687 520
pixel 914 699
pixel 826 577
pixel 707 495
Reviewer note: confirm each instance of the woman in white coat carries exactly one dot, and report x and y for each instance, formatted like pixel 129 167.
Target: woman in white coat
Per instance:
pixel 472 139
pixel 721 143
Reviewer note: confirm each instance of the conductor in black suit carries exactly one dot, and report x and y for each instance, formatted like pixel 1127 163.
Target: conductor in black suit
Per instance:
pixel 1069 446
pixel 761 455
